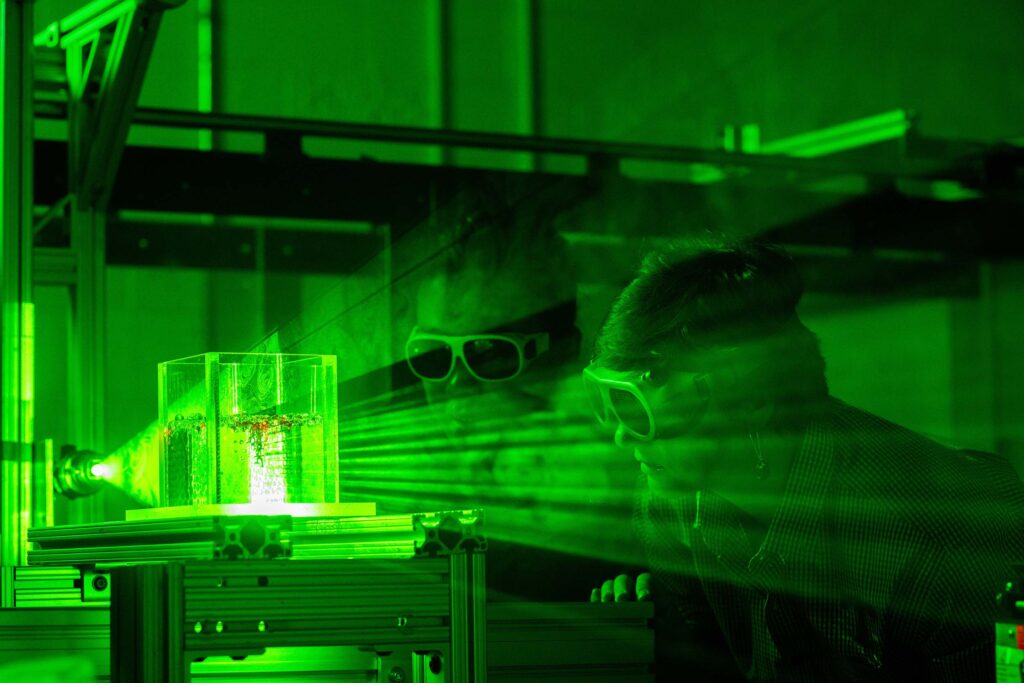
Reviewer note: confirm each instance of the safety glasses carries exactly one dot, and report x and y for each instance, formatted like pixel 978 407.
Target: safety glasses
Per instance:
pixel 622 403
pixel 487 357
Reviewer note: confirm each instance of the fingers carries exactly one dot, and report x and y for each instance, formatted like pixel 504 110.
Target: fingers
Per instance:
pixel 643 587
pixel 623 588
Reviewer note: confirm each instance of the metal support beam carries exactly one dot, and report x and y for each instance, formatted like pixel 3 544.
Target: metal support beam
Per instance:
pixel 792 167
pixel 107 45
pixel 16 321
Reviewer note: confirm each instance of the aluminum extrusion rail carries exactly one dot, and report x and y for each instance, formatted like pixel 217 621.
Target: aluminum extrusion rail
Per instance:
pixel 223 537
pixel 591 149
pixel 161 540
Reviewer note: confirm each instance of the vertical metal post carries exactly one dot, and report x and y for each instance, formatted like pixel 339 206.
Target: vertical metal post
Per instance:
pixel 206 29
pixel 88 332
pixel 107 48
pixel 468 658
pixel 532 74
pixel 461 660
pixel 87 352
pixel 16 321
pixel 437 12
pixel 42 484
pixel 445 73
pixel 478 603
pixel 146 624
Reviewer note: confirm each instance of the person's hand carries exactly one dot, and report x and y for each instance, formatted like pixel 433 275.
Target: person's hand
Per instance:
pixel 623 588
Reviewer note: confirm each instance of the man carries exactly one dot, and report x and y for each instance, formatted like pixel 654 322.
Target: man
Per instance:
pixel 494 346
pixel 822 542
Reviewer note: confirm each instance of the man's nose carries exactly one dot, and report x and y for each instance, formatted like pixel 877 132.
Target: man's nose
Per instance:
pixel 460 381
pixel 623 439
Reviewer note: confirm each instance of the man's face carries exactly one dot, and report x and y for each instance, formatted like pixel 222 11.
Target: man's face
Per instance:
pixel 700 440
pixel 474 302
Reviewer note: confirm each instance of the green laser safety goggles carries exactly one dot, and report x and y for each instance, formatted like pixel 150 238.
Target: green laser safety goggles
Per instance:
pixel 623 403
pixel 488 357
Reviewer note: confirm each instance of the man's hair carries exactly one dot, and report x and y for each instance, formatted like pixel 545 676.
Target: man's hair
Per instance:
pixel 718 294
pixel 492 230
pixel 509 236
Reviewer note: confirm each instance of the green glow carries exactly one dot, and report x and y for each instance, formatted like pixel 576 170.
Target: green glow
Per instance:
pixel 696 173
pixel 28 366
pixel 951 191
pixel 289 509
pixel 245 222
pixel 544 479
pixel 138 465
pixel 859 133
pixel 102 471
pixel 205 67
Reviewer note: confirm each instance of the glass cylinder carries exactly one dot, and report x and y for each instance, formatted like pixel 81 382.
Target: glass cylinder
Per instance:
pixel 248 428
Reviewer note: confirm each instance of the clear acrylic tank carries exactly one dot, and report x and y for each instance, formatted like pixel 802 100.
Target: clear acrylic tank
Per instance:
pixel 248 428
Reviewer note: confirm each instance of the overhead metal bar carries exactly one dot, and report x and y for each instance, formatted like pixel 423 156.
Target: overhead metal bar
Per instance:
pixel 170 118
pixel 589 149
pixel 181 184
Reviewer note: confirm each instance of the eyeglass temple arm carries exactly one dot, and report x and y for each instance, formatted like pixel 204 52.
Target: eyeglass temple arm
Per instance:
pixel 543 342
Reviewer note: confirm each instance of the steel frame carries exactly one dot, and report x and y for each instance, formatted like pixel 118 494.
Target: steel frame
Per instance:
pixel 598 643
pixel 287 133
pixel 107 46
pixel 409 588
pixel 16 317
pixel 165 616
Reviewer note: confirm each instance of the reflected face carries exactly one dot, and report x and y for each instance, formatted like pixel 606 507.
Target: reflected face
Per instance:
pixel 474 303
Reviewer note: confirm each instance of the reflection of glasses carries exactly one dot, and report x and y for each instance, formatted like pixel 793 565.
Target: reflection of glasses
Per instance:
pixel 487 357
pixel 624 402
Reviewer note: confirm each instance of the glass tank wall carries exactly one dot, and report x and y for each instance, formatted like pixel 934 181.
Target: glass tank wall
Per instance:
pixel 248 428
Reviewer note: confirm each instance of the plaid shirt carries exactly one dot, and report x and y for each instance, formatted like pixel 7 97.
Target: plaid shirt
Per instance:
pixel 881 563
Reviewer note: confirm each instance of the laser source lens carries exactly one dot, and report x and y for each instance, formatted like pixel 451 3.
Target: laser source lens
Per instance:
pixel 100 470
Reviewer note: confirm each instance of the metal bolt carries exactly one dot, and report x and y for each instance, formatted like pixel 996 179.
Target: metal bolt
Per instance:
pixel 220 627
pixel 198 627
pixel 99 583
pixel 262 626
pixel 396 675
pixel 403 622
